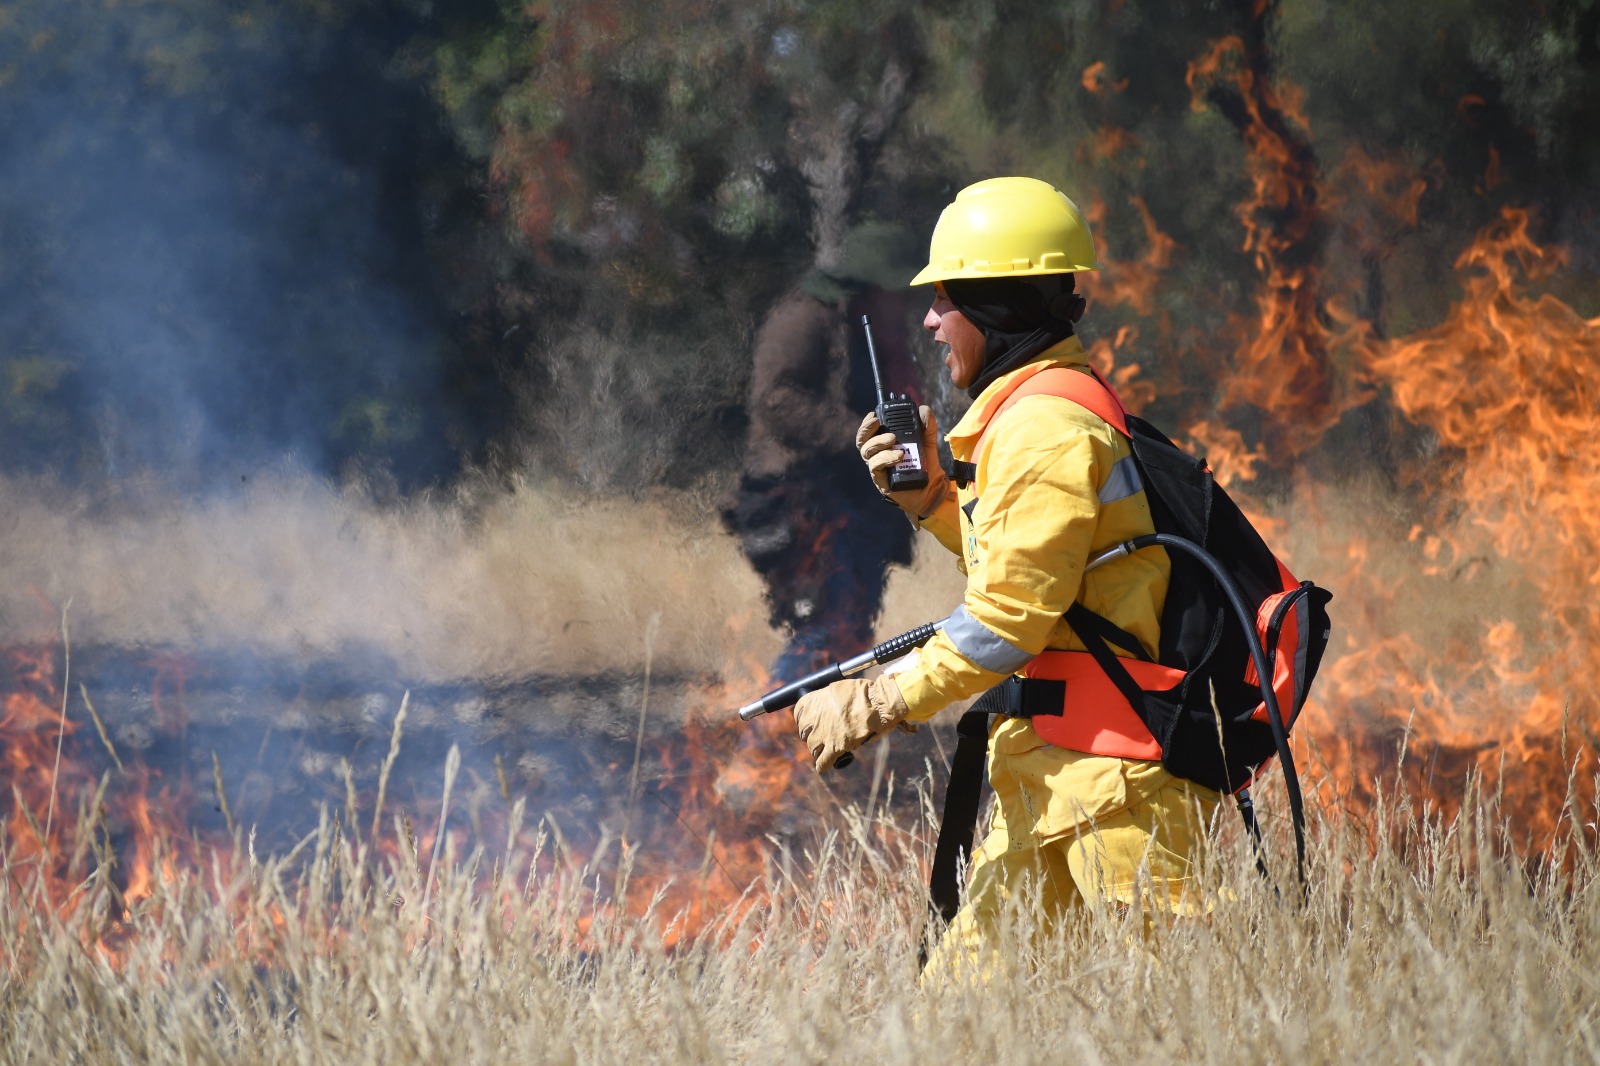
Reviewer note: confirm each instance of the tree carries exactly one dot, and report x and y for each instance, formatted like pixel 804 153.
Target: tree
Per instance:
pixel 233 227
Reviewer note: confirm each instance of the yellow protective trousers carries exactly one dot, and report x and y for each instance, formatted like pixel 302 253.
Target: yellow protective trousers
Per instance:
pixel 1131 843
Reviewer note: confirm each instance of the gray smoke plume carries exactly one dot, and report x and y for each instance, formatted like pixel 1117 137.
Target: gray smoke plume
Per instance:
pixel 213 244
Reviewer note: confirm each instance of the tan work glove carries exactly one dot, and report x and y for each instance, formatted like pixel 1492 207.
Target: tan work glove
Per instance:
pixel 880 451
pixel 846 715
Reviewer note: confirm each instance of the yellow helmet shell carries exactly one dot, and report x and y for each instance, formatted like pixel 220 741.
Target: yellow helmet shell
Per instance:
pixel 1008 228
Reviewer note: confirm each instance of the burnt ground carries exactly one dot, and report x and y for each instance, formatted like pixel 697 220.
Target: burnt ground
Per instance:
pixel 282 733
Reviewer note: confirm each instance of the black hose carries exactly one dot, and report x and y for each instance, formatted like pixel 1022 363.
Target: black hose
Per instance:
pixel 1258 655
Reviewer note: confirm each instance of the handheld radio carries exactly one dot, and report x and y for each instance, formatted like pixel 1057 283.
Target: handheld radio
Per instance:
pixel 898 415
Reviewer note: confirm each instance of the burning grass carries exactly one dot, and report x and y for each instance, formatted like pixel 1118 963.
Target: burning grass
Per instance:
pixel 1420 939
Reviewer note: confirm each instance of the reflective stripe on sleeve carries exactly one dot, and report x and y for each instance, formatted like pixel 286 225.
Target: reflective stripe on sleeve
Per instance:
pixel 983 645
pixel 1123 482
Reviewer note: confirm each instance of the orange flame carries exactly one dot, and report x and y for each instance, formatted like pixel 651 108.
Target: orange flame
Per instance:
pixel 1134 284
pixel 1284 364
pixel 1095 79
pixel 31 728
pixel 1508 385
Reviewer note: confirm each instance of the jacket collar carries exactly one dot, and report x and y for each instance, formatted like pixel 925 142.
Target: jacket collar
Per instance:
pixel 1068 352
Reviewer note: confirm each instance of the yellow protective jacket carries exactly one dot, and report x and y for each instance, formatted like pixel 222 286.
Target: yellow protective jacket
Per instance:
pixel 1055 484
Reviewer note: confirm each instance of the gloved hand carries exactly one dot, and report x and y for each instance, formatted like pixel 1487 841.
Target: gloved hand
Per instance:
pixel 846 715
pixel 880 451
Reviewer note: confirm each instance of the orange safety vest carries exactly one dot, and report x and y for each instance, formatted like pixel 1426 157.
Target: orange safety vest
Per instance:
pixel 1097 718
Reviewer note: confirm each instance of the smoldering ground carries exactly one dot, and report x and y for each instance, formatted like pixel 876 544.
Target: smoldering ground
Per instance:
pixel 256 655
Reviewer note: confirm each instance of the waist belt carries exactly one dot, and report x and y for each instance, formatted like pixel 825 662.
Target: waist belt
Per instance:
pixel 1017 697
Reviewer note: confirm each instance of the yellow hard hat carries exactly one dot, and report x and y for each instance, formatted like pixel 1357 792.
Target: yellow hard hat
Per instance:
pixel 1008 227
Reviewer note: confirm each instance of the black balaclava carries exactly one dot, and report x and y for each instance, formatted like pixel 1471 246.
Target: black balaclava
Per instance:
pixel 1018 317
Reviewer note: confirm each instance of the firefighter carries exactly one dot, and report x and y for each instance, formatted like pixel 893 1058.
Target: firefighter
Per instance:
pixel 1041 484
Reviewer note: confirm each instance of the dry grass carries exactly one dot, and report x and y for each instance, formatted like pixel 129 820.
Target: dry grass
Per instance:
pixel 1419 942
pixel 530 579
pixel 1420 939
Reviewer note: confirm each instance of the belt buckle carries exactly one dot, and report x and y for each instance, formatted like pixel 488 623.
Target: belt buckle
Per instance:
pixel 1055 701
pixel 1013 697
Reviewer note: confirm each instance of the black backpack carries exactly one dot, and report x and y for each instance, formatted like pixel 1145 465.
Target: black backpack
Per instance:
pixel 1214 727
pixel 1227 591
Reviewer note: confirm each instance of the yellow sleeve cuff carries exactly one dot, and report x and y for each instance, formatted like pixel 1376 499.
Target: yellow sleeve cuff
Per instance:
pixel 941 676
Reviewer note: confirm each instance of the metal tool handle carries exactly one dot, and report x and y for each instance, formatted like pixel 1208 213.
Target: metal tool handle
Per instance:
pixel 895 647
pixel 790 694
pixel 888 651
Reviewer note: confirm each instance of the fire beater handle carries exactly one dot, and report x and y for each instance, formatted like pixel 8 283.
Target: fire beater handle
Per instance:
pixel 891 649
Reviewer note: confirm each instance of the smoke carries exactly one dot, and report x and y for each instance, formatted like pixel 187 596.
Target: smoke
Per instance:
pixel 523 582
pixel 216 241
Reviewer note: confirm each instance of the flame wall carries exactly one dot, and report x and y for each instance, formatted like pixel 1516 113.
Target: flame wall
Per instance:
pixel 1437 479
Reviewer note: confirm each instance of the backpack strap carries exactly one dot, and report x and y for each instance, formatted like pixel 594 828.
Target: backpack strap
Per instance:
pixel 959 822
pixel 1089 391
pixel 1086 624
pixel 1083 621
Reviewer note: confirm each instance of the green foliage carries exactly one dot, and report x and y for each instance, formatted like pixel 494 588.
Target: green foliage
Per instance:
pixel 650 163
pixel 626 178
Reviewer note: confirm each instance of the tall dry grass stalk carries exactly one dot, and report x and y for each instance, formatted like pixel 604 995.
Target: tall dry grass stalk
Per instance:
pixel 1420 940
pixel 503 582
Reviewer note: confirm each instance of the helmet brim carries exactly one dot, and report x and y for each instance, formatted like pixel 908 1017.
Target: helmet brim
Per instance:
pixel 983 271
